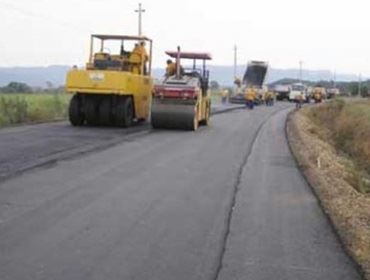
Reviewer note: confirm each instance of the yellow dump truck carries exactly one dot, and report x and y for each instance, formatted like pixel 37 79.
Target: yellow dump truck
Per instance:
pixel 114 88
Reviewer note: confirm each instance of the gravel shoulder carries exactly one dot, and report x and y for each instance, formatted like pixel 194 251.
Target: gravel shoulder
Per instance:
pixel 326 171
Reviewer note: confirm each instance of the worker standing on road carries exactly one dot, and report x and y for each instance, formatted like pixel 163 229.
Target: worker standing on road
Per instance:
pixel 299 100
pixel 224 96
pixel 250 97
pixel 269 98
pixel 266 97
pixel 170 68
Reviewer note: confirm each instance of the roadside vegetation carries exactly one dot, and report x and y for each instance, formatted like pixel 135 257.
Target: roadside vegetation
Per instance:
pixel 18 108
pixel 331 143
pixel 347 126
pixel 20 103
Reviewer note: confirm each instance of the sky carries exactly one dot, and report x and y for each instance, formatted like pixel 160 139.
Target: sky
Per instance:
pixel 323 34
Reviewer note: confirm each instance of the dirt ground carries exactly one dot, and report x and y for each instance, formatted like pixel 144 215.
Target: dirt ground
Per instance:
pixel 326 171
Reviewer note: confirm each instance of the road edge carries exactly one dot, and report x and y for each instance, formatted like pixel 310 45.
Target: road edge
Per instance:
pixel 290 132
pixel 227 109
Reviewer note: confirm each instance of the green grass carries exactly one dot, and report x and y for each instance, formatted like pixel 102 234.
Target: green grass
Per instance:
pixel 28 108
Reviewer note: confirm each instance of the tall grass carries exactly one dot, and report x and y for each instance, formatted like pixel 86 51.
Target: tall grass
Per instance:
pixel 348 127
pixel 28 108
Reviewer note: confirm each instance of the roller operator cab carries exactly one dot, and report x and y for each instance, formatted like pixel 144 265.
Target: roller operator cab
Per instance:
pixel 115 87
pixel 181 100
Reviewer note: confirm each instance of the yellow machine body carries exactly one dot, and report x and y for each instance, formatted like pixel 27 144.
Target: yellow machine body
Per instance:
pixel 113 89
pixel 113 83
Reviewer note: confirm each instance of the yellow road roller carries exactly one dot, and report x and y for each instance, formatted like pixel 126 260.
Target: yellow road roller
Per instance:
pixel 181 100
pixel 115 87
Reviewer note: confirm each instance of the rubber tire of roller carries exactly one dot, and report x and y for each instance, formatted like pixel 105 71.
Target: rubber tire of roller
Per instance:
pixel 124 112
pixel 105 111
pixel 91 110
pixel 76 117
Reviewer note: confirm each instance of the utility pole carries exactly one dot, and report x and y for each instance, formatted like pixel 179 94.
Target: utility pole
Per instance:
pixel 300 71
pixel 235 60
pixel 359 85
pixel 140 11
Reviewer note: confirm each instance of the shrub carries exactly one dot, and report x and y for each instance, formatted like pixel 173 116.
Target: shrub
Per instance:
pixel 348 127
pixel 24 108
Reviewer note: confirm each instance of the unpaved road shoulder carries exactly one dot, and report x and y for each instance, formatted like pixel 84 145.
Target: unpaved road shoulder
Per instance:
pixel 326 172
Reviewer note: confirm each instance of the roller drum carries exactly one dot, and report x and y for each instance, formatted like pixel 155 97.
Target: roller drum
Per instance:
pixel 174 115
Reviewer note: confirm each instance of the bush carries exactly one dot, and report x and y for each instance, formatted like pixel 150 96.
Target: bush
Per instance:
pixel 348 126
pixel 25 108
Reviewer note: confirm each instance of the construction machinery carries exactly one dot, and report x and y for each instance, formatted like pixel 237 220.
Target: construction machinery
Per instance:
pixel 297 90
pixel 114 88
pixel 332 93
pixel 318 93
pixel 254 77
pixel 182 100
pixel 282 92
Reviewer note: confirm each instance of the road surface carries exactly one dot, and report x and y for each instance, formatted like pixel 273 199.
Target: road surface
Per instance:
pixel 26 147
pixel 225 202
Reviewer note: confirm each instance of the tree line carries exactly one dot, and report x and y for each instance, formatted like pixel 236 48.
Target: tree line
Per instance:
pixel 18 87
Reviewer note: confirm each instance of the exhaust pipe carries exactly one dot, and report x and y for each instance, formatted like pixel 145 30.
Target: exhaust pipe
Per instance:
pixel 178 74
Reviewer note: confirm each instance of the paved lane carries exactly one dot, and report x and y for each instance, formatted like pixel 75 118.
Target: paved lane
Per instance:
pixel 25 147
pixel 156 206
pixel 278 230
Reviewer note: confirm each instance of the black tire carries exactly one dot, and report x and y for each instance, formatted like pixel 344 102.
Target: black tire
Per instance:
pixel 105 111
pixel 207 117
pixel 91 110
pixel 124 112
pixel 76 117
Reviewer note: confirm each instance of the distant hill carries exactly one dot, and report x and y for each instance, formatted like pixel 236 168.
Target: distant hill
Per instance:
pixel 34 76
pixel 40 76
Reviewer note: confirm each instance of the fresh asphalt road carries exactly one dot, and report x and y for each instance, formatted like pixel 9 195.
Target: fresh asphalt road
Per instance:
pixel 25 147
pixel 225 202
